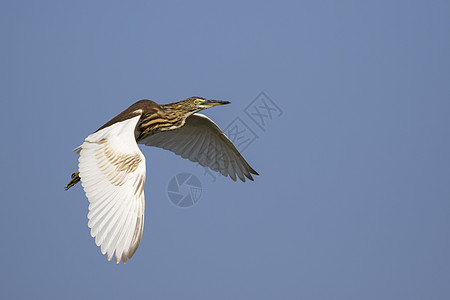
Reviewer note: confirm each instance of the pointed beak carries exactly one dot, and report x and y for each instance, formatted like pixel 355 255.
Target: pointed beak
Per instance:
pixel 211 103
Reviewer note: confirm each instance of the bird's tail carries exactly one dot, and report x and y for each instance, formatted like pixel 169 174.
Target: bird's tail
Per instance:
pixel 74 180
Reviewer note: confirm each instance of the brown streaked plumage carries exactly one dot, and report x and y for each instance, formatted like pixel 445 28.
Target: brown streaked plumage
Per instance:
pixel 112 168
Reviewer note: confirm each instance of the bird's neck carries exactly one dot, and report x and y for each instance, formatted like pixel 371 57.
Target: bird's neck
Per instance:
pixel 175 112
pixel 167 117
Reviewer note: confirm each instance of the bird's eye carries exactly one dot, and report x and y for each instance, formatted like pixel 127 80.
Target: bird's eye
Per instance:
pixel 198 101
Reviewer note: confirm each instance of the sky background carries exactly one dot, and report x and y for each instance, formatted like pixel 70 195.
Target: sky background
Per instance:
pixel 353 197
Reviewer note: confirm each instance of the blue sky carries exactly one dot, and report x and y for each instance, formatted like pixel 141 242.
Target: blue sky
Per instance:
pixel 353 197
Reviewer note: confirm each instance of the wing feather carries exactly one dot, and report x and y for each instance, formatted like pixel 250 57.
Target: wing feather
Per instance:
pixel 112 171
pixel 193 148
pixel 201 140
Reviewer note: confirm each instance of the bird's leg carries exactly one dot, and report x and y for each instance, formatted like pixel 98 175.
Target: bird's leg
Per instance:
pixel 75 179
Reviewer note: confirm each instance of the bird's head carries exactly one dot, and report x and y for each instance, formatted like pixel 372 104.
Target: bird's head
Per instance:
pixel 185 108
pixel 196 104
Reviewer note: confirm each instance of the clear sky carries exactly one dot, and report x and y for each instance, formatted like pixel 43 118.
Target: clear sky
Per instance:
pixel 353 197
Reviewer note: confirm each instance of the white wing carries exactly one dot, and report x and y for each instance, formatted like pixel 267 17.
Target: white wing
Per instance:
pixel 201 140
pixel 112 171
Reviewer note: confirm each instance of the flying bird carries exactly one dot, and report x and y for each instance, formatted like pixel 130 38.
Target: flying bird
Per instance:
pixel 112 168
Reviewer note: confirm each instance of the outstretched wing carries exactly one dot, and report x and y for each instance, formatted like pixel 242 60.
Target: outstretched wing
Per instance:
pixel 112 171
pixel 201 140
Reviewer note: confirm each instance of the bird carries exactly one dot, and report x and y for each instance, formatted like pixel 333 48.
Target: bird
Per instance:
pixel 112 168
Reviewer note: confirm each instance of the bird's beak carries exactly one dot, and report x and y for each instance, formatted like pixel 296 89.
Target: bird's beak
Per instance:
pixel 211 103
